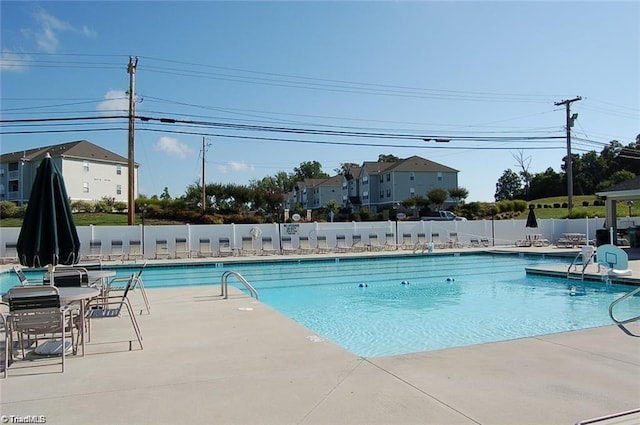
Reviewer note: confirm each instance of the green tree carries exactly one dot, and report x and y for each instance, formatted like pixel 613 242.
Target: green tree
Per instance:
pixel 345 168
pixel 458 194
pixel 509 186
pixel 388 158
pixel 437 197
pixel 309 170
pixel 547 184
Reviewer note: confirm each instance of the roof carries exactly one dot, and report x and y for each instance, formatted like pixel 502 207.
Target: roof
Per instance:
pixel 81 149
pixel 416 163
pixel 413 163
pixel 628 189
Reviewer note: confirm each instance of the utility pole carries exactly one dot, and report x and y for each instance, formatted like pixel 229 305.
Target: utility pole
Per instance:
pixel 131 205
pixel 569 163
pixel 204 186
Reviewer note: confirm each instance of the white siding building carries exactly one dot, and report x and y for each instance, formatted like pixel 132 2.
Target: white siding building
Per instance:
pixel 89 172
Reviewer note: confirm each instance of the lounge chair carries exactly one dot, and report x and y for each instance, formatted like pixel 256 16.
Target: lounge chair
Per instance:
pixel 322 246
pixel 357 245
pixel 422 240
pixel 10 254
pixel 135 250
pixel 162 249
pixel 374 243
pixel 287 246
pixel 247 246
pixel 435 240
pixel 35 313
pixel 407 241
pixel 475 242
pixel 95 251
pixel 454 242
pixel 390 242
pixel 305 246
pixel 116 253
pixel 341 244
pixel 204 248
pixel 224 248
pixel 21 276
pixel 182 250
pixel 267 246
pixel 485 242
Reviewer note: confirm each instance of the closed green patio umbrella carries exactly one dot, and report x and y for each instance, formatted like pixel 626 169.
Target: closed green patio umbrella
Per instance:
pixel 531 218
pixel 48 235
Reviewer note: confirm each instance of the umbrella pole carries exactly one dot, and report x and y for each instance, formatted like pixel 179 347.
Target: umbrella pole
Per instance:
pixel 51 268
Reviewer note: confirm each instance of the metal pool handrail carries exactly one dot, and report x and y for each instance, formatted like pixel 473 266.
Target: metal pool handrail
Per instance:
pixel 225 286
pixel 621 323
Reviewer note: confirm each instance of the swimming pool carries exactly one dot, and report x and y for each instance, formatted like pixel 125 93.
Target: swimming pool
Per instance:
pixel 390 306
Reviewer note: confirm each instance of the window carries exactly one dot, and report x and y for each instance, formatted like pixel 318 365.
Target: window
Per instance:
pixel 413 176
pixel 119 189
pixel 365 179
pixel 365 194
pixel 389 177
pixel 13 166
pixel 344 185
pixel 382 193
pixel 118 169
pixel 85 187
pixel 85 166
pixel 412 191
pixel 388 193
pixel 13 186
pixel 439 177
pixel 381 178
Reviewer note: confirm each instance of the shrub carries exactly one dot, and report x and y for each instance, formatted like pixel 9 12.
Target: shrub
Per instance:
pixel 8 209
pixel 556 205
pixel 81 206
pixel 565 205
pixel 120 206
pixel 519 205
pixel 102 206
pixel 585 203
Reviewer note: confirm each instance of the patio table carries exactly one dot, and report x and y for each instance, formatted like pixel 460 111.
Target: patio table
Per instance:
pixel 68 296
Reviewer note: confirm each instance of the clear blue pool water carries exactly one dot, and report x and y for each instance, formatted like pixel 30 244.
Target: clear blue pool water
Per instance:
pixel 449 301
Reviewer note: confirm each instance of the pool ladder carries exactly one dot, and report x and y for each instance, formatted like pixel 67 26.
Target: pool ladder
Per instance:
pixel 621 323
pixel 224 285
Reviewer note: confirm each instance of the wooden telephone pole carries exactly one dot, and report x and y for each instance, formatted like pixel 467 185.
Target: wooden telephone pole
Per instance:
pixel 569 163
pixel 131 204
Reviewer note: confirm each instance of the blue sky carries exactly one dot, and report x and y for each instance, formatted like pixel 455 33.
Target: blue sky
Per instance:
pixel 488 73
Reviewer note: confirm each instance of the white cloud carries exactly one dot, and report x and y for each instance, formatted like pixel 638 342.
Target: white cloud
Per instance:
pixel 173 147
pixel 114 101
pixel 50 28
pixel 12 61
pixel 233 166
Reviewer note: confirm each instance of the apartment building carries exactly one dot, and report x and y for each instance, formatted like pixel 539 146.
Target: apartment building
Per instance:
pixel 89 172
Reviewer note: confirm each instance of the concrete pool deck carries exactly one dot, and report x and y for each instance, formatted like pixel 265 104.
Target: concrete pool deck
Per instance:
pixel 237 361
